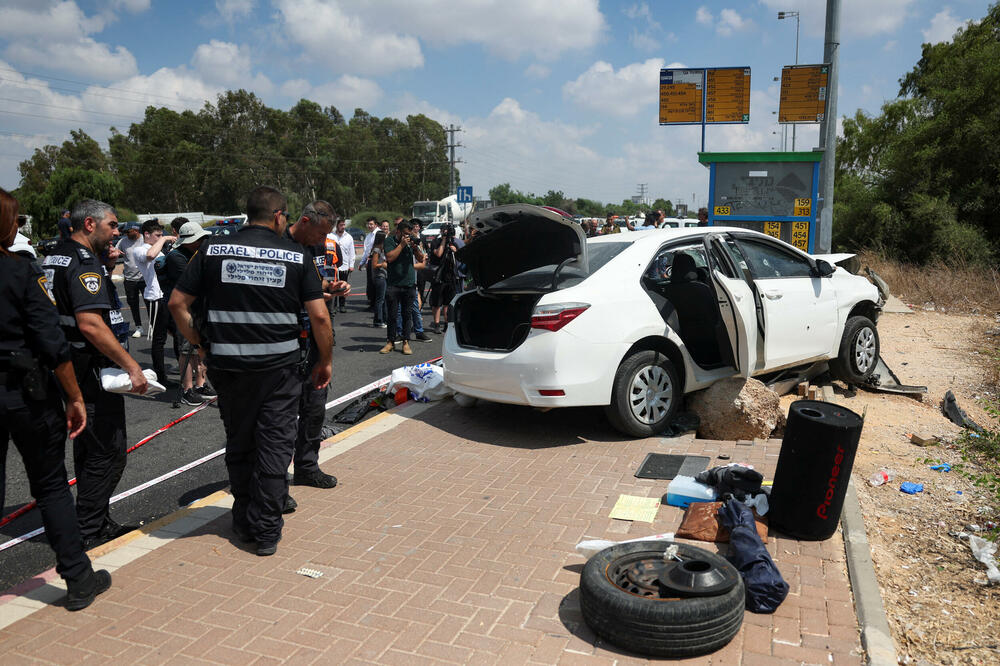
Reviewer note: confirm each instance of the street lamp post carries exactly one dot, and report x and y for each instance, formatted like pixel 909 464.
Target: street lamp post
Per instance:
pixel 795 15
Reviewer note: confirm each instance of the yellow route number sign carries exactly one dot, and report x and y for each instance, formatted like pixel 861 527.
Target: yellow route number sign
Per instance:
pixel 723 210
pixel 800 235
pixel 803 93
pixel 803 207
pixel 773 229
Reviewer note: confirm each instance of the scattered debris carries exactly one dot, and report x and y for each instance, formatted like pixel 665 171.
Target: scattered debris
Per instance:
pixel 911 488
pixel 881 477
pixel 590 547
pixel 885 380
pixel 920 440
pixel 737 408
pixel 311 573
pixel 941 467
pixel 984 551
pixel 634 507
pixel 955 414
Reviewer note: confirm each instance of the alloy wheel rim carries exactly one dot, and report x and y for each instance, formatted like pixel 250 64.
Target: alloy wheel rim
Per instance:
pixel 864 349
pixel 650 394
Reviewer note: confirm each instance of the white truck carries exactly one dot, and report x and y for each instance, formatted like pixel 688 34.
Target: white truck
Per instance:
pixel 445 210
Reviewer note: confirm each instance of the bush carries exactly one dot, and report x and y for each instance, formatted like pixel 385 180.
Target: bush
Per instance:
pixel 358 218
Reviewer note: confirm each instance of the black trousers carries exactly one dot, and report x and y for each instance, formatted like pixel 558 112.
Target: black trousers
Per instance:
pixel 309 435
pixel 259 411
pixel 38 429
pixel 159 321
pixel 341 301
pixel 399 297
pixel 369 283
pixel 133 295
pixel 98 453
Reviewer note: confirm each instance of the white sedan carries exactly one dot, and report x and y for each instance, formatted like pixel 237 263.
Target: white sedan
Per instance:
pixel 632 322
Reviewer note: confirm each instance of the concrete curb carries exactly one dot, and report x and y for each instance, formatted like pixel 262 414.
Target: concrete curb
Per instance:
pixel 875 635
pixel 47 588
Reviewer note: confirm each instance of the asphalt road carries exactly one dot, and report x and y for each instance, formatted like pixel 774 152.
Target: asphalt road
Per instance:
pixel 356 362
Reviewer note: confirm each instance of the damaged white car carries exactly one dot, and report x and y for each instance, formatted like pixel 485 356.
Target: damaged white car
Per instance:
pixel 632 322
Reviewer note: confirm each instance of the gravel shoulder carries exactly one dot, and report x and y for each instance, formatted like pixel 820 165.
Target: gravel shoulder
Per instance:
pixel 939 610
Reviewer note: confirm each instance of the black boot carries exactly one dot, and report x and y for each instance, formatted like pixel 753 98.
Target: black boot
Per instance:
pixel 83 592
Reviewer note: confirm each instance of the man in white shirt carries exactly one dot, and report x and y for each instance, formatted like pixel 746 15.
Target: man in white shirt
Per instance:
pixel 372 225
pixel 144 256
pixel 346 243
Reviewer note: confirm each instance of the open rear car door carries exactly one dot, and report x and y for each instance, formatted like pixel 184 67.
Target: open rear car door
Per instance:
pixel 736 304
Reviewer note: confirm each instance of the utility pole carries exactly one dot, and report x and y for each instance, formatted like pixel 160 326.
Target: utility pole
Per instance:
pixel 643 189
pixel 452 161
pixel 828 128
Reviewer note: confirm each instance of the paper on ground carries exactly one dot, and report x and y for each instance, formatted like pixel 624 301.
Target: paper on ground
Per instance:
pixel 633 507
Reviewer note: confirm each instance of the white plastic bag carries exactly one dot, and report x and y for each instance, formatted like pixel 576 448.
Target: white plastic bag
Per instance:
pixel 591 547
pixel 425 381
pixel 984 551
pixel 116 380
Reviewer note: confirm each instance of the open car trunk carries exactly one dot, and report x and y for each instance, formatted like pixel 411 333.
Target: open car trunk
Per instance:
pixel 495 322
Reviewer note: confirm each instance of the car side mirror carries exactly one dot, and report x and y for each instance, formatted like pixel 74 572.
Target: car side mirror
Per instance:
pixel 824 268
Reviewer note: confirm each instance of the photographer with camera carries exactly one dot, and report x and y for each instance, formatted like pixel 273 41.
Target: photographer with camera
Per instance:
pixel 401 284
pixel 447 274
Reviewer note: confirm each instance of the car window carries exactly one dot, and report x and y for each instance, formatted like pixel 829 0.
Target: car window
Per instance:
pixel 769 261
pixel 598 255
pixel 660 268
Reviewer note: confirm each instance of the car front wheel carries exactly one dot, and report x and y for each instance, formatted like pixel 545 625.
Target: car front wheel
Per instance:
pixel 859 350
pixel 645 394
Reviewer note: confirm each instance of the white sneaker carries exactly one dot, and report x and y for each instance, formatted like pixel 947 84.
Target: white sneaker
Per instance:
pixel 138 333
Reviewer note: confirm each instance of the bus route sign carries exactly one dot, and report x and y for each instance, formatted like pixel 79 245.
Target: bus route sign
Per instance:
pixel 803 93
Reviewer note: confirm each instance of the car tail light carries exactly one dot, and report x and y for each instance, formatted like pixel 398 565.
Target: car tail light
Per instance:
pixel 551 392
pixel 555 316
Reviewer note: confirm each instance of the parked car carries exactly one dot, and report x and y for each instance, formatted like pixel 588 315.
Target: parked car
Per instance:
pixel 46 246
pixel 632 322
pixel 225 227
pixel 22 246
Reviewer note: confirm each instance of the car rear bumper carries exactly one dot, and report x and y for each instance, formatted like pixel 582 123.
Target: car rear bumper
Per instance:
pixel 545 361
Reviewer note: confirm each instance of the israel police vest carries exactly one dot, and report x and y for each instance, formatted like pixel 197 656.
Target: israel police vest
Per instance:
pixel 252 285
pixel 80 282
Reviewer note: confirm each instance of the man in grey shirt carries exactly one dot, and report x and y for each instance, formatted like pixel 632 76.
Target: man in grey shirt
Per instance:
pixel 134 284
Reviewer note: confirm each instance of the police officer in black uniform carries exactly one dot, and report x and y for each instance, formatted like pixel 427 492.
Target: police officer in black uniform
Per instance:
pixel 310 231
pixel 31 412
pixel 91 319
pixel 250 287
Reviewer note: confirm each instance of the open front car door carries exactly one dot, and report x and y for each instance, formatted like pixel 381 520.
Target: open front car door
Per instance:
pixel 736 304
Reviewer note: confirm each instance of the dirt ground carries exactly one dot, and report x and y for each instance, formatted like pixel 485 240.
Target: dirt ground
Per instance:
pixel 938 607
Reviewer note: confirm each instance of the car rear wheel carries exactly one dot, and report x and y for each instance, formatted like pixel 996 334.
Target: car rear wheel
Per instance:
pixel 645 394
pixel 859 350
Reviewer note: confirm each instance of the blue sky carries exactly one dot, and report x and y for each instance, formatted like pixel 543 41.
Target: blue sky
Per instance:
pixel 550 94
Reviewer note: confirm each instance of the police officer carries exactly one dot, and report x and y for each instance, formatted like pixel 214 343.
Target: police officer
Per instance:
pixel 310 231
pixel 31 411
pixel 92 321
pixel 250 287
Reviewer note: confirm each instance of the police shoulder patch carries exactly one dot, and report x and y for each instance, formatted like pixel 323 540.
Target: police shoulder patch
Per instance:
pixel 91 282
pixel 46 288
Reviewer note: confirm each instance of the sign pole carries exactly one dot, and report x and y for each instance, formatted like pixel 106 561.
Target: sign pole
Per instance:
pixel 828 128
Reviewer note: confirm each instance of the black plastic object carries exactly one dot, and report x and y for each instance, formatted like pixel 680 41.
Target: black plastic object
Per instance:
pixel 814 467
pixel 766 588
pixel 696 577
pixel 957 415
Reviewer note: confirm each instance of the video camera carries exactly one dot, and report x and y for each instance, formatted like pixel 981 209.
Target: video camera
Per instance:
pixel 448 230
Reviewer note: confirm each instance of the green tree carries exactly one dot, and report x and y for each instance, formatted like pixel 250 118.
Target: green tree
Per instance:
pixel 65 187
pixel 920 179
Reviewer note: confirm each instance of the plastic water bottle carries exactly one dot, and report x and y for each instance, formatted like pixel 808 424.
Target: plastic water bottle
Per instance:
pixel 880 477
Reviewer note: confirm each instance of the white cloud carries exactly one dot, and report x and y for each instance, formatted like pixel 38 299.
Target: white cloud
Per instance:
pixel 55 36
pixel 889 46
pixel 726 23
pixel 83 57
pixel 536 71
pixel 943 27
pixel 347 93
pixel 346 42
pixel 232 10
pixel 621 93
pixel 295 88
pixel 858 18
pixel 390 35
pixel 229 65
pixel 133 6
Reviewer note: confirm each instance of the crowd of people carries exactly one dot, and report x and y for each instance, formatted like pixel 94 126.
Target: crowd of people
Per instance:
pixel 250 315
pixel 653 220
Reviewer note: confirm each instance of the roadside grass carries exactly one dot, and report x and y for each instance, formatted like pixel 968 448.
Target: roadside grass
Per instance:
pixel 954 287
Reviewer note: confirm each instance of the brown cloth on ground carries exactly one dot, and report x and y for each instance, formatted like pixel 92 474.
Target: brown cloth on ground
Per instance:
pixel 701 522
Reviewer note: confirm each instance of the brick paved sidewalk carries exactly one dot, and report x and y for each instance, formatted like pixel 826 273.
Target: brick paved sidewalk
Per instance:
pixel 450 539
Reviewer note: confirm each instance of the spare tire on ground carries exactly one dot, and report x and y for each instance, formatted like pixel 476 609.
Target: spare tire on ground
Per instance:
pixel 623 602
